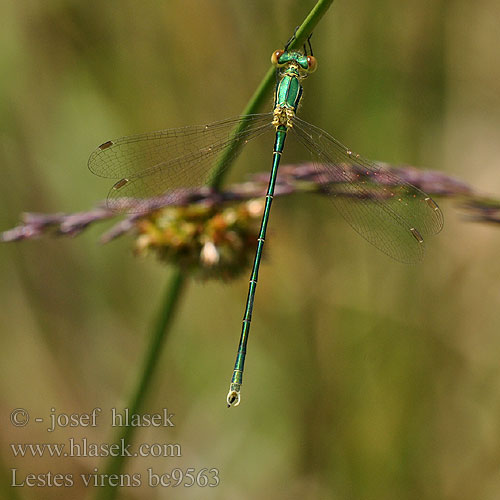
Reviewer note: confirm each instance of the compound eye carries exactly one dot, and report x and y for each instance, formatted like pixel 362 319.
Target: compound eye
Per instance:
pixel 276 57
pixel 312 64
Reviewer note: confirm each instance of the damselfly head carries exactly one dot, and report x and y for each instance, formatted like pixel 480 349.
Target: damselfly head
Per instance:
pixel 305 63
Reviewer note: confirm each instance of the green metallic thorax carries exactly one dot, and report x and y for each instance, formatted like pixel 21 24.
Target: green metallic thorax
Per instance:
pixel 288 90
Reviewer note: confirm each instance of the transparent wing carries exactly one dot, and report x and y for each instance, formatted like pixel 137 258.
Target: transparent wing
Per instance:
pixel 391 214
pixel 171 162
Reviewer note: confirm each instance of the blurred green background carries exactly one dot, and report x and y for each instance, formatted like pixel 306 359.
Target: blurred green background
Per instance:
pixel 365 378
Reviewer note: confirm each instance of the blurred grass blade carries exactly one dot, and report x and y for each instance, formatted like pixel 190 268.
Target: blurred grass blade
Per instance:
pixel 160 330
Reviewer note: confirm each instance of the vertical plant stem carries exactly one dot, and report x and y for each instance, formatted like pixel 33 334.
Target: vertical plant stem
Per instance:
pixel 159 334
pixel 310 22
pixel 259 97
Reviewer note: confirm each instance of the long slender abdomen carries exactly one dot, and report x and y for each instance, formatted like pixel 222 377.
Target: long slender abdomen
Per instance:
pixel 233 397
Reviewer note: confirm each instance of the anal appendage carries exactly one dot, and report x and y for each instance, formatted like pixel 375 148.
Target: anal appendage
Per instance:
pixel 233 396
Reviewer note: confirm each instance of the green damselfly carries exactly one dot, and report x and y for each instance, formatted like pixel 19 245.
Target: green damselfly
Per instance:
pixel 160 168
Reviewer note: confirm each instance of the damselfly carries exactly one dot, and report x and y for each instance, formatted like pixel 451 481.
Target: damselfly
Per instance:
pixel 163 166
